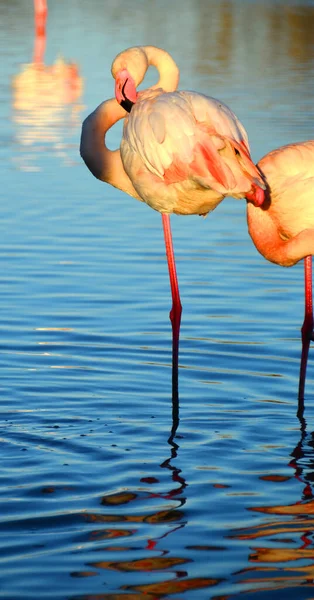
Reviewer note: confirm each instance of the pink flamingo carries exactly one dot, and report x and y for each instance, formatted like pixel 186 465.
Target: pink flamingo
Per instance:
pixel 283 228
pixel 181 152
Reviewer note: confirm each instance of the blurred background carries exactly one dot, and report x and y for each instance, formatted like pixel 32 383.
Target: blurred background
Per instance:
pixel 98 499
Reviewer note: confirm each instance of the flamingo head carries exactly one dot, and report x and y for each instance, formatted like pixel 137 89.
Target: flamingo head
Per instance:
pixel 125 89
pixel 128 69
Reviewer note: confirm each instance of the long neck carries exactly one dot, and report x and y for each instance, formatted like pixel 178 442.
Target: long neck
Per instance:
pixel 266 238
pixel 103 163
pixel 166 67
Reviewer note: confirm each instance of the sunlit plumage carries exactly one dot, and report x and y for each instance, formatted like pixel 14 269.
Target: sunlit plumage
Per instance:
pixel 184 152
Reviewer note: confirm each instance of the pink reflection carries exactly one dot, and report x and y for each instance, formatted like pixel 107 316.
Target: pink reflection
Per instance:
pixel 46 108
pixel 40 14
pixel 281 547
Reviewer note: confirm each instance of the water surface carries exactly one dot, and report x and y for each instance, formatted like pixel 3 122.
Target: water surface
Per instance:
pixel 103 494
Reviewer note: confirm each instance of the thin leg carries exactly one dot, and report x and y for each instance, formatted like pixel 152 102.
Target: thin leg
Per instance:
pixel 307 328
pixel 176 310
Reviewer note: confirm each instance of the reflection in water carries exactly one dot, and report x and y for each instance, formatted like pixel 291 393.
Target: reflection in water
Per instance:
pixel 40 18
pixel 169 519
pixel 45 101
pixel 288 538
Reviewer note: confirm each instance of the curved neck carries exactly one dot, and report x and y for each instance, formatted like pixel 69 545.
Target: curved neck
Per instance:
pixel 103 163
pixel 168 71
pixel 265 235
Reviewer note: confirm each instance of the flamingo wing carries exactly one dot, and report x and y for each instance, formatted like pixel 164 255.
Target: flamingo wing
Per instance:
pixel 185 135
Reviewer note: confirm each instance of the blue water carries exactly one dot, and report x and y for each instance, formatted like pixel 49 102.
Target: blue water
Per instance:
pixel 108 490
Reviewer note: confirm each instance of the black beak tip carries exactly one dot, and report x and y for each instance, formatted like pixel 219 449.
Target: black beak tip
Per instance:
pixel 127 104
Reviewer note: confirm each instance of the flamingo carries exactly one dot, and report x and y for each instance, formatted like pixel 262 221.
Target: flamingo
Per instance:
pixel 181 152
pixel 283 228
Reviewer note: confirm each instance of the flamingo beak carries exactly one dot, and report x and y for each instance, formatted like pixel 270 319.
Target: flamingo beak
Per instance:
pixel 256 195
pixel 125 89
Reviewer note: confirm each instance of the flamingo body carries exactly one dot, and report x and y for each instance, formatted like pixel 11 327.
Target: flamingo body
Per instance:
pixel 181 152
pixel 184 152
pixel 283 228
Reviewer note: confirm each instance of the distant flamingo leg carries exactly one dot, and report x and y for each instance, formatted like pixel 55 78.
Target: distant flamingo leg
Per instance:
pixel 307 327
pixel 176 310
pixel 41 10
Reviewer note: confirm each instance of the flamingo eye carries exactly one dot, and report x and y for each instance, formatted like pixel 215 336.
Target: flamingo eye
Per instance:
pixel 236 151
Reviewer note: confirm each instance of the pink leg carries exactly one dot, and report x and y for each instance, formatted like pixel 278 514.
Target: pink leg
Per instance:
pixel 176 310
pixel 307 327
pixel 40 7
